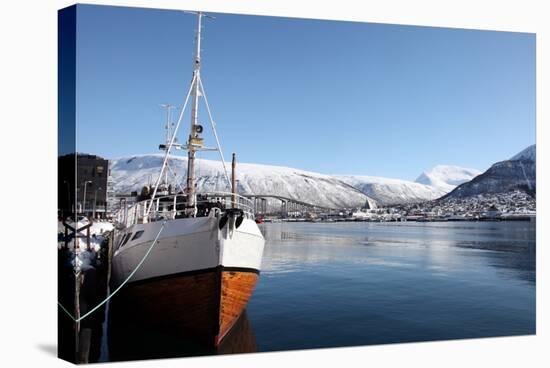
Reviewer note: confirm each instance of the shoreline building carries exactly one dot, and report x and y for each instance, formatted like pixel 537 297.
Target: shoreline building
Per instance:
pixel 89 193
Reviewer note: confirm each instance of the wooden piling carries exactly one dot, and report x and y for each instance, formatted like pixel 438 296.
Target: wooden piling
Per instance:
pixel 77 279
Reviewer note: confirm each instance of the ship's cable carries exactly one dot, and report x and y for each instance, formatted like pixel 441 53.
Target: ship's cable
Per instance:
pixel 155 241
pixel 174 133
pixel 213 125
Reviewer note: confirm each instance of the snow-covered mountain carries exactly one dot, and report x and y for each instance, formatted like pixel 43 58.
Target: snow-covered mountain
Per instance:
pixel 528 154
pixel 517 173
pixel 132 173
pixel 446 178
pixel 392 191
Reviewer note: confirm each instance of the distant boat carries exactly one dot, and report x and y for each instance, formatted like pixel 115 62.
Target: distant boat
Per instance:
pixel 198 276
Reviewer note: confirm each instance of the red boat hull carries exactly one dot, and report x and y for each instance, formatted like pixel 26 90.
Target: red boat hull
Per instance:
pixel 201 304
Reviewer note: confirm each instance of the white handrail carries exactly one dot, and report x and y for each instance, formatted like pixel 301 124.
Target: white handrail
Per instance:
pixel 148 210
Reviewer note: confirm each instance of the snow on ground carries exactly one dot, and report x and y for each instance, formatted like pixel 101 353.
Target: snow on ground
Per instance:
pixel 101 227
pixel 84 257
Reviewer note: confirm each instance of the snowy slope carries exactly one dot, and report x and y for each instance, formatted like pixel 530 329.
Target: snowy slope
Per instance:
pixel 528 154
pixel 518 173
pixel 446 178
pixel 392 191
pixel 132 173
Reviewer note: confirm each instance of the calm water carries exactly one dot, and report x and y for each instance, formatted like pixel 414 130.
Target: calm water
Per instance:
pixel 342 284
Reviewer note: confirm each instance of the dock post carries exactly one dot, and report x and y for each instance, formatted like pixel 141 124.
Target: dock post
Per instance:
pixel 77 313
pixel 88 238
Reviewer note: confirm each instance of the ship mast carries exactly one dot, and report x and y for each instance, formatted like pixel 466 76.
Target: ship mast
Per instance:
pixel 195 141
pixel 168 137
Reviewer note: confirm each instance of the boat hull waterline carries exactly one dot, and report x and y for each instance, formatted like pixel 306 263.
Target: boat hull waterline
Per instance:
pixel 197 279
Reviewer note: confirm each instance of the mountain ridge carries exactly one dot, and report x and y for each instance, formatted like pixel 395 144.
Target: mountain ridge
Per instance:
pixel 446 177
pixel 133 172
pixel 516 173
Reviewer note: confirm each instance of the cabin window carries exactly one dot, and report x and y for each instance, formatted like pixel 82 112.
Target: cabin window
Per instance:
pixel 120 241
pixel 126 239
pixel 138 235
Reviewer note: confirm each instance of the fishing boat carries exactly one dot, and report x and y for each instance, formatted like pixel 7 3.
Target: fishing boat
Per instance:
pixel 185 260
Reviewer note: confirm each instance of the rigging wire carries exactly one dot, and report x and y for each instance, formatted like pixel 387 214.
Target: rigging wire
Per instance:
pixel 193 81
pixel 213 125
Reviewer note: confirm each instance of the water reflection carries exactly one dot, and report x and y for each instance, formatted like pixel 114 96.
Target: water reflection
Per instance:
pixel 348 284
pixel 132 340
pixel 437 246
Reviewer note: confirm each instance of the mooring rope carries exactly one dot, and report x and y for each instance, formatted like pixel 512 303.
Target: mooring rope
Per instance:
pixel 120 286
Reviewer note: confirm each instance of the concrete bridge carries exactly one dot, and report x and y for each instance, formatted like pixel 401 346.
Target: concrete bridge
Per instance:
pixel 265 204
pixel 285 205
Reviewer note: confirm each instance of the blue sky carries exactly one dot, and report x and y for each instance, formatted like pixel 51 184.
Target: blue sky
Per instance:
pixel 326 96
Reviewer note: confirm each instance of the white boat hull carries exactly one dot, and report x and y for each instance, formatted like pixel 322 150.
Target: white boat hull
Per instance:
pixel 196 280
pixel 185 245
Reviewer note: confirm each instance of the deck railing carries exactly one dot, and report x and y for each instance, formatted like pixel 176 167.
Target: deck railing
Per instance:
pixel 175 206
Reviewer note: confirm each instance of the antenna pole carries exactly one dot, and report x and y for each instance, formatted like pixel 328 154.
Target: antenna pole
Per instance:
pixel 172 140
pixel 194 136
pixel 233 182
pixel 168 137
